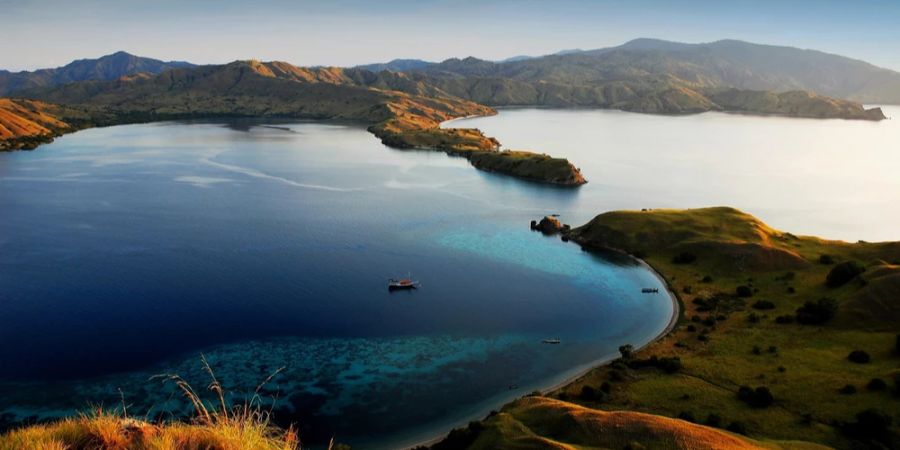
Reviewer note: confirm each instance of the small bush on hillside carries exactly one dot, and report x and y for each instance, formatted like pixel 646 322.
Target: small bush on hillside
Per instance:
pixel 737 427
pixel 785 319
pixel 763 304
pixel 684 258
pixel 760 397
pixel 826 260
pixel 859 357
pixel 691 328
pixel 688 416
pixel 590 394
pixel 876 384
pixel 848 389
pixel 757 350
pixel 753 318
pixel 666 364
pixel 707 279
pixel 744 291
pixel 605 387
pixel 688 289
pixel 871 425
pixel 626 350
pixel 709 321
pixel 703 338
pixel 460 437
pixel 791 290
pixel 713 420
pixel 842 273
pixel 815 313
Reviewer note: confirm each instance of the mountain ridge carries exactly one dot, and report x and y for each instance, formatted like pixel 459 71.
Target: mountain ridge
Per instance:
pixel 107 67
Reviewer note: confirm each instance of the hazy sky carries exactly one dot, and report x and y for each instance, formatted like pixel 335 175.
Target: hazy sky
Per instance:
pixel 50 33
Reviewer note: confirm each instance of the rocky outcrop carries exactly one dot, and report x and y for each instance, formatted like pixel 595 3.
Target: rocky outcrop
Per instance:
pixel 550 225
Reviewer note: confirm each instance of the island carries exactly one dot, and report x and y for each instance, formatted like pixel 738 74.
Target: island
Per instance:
pixel 270 90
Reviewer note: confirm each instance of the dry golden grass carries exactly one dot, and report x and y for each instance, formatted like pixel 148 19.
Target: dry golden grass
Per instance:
pixel 545 423
pixel 216 426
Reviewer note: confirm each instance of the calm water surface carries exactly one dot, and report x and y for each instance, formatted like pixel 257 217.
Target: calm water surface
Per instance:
pixel 126 252
pixel 838 179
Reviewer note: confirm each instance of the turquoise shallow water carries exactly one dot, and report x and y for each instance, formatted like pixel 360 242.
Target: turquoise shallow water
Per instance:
pixel 128 252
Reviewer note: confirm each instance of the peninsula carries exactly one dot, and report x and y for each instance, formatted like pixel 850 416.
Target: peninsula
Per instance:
pixel 784 341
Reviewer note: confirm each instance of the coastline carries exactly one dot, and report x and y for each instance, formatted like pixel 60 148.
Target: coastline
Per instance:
pixel 578 372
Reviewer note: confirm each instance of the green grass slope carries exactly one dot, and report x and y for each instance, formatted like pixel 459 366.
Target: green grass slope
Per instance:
pixel 756 351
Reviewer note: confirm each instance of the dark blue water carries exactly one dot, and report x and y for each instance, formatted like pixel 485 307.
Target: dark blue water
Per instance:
pixel 128 251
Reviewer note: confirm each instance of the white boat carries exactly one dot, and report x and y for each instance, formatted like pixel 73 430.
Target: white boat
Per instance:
pixel 551 341
pixel 403 283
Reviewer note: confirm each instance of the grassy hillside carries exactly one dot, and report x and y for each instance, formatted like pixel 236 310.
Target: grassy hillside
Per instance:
pixel 753 317
pixel 545 423
pixel 25 124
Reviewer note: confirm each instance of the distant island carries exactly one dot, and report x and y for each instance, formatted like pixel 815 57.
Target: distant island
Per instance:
pixel 405 101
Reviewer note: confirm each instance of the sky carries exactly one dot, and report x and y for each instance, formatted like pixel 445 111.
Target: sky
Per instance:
pixel 50 33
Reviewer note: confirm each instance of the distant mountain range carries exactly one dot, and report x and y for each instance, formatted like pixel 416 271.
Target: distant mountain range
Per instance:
pixel 643 75
pixel 605 76
pixel 108 67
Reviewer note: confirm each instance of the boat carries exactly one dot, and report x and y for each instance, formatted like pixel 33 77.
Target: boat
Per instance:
pixel 402 284
pixel 650 290
pixel 551 341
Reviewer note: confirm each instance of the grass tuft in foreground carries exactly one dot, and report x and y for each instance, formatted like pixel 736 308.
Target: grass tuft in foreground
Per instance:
pixel 215 426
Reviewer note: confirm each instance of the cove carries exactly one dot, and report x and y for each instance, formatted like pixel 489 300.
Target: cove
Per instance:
pixel 127 252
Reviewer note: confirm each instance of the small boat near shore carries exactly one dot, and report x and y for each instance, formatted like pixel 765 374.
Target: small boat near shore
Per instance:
pixel 551 341
pixel 402 284
pixel 650 290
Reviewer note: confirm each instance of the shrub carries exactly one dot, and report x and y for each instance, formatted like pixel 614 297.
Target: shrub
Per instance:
pixel 714 420
pixel 744 291
pixel 707 279
pixel 876 384
pixel 826 259
pixel 688 416
pixel 605 387
pixel 773 349
pixel 737 427
pixel 871 425
pixel 703 338
pixel 695 318
pixel 691 328
pixel 757 350
pixel 753 318
pixel 842 273
pixel 666 364
pixel 782 369
pixel 785 319
pixel 814 313
pixel 859 357
pixel 687 289
pixel 626 350
pixel 684 258
pixel 615 375
pixel 756 398
pixel 763 304
pixel 709 321
pixel 791 290
pixel 590 394
pixel 848 389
